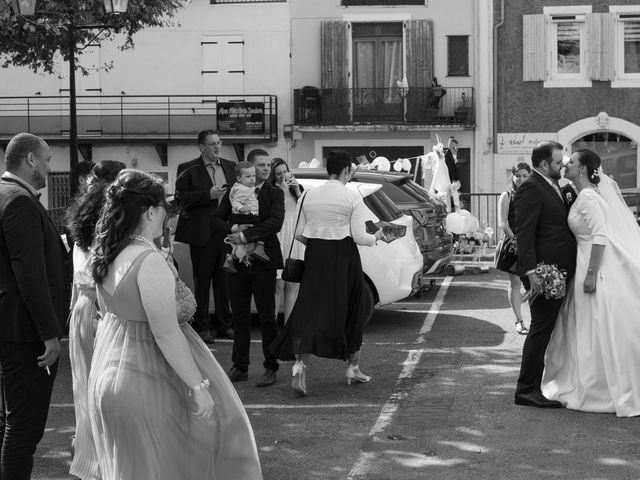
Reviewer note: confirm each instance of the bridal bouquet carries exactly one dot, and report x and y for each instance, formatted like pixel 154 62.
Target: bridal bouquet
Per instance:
pixel 553 281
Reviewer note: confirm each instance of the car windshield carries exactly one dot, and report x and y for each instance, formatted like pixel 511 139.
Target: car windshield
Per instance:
pixel 382 206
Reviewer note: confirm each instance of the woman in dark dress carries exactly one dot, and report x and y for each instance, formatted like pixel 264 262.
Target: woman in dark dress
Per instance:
pixel 507 223
pixel 328 317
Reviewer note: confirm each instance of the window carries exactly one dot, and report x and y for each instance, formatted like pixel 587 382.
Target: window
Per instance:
pixel 618 153
pixel 567 37
pixel 458 56
pixel 626 42
pixel 347 3
pixel 377 69
pixel 558 49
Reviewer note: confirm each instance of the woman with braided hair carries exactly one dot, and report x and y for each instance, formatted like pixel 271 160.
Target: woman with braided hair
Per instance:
pixel 81 219
pixel 160 405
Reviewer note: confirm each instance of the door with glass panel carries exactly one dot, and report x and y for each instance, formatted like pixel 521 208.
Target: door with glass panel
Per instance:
pixel 377 72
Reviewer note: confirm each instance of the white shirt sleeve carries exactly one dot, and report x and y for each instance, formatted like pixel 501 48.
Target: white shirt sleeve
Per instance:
pixel 359 215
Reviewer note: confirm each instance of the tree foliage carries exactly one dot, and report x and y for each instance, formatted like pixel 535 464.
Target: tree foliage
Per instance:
pixel 38 41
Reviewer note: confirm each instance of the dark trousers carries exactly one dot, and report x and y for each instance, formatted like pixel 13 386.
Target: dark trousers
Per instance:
pixel 207 264
pixel 258 280
pixel 25 393
pixel 543 319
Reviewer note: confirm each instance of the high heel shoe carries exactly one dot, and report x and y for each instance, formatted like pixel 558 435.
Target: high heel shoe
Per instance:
pixel 520 328
pixel 298 380
pixel 354 373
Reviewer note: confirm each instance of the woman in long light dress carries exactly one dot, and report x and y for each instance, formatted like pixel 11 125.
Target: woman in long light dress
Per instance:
pixel 592 360
pixel 81 219
pixel 160 405
pixel 287 292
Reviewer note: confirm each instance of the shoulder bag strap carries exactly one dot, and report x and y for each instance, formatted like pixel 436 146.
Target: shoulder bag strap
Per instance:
pixel 296 227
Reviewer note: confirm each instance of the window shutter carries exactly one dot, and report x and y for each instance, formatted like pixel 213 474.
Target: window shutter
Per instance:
pixel 419 66
pixel 534 47
pixel 335 54
pixel 601 45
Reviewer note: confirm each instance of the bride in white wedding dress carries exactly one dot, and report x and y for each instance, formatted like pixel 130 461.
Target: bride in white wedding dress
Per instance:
pixel 593 359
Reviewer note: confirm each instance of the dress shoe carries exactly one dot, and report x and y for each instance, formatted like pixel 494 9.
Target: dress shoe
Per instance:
pixel 236 375
pixel 267 379
pixel 207 337
pixel 536 399
pixel 355 375
pixel 298 380
pixel 225 333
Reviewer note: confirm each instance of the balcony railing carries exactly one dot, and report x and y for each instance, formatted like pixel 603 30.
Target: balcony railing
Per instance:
pixel 344 106
pixel 163 117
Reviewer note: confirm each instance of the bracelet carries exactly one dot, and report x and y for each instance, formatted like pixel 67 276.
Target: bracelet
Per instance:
pixel 203 385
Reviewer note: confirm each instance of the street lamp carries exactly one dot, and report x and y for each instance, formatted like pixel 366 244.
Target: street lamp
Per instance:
pixel 113 7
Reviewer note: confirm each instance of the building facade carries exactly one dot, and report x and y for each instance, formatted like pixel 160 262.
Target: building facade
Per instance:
pixel 388 78
pixel 569 72
pixel 295 77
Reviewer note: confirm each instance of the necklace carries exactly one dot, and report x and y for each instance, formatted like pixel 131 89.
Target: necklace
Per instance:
pixel 143 240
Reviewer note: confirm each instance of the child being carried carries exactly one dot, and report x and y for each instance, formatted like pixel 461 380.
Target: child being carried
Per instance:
pixel 244 212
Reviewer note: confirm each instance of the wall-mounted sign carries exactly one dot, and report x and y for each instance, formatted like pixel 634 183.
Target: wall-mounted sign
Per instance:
pixel 522 142
pixel 240 118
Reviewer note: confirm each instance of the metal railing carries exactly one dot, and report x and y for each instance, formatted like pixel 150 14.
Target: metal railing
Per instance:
pixel 343 106
pixel 484 206
pixel 126 116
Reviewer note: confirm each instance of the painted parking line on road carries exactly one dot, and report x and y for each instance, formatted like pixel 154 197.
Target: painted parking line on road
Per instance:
pixel 389 409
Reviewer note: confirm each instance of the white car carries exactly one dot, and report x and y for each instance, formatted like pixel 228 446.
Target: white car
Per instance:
pixel 393 271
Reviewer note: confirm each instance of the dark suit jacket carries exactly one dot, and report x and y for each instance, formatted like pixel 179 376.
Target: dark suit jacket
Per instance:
pixel 34 269
pixel 193 183
pixel 541 227
pixel 452 166
pixel 569 195
pixel 271 214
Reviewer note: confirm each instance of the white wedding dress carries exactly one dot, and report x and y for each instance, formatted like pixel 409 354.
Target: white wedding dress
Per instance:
pixel 592 363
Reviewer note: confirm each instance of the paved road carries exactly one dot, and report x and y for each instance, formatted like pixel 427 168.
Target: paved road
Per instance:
pixel 439 406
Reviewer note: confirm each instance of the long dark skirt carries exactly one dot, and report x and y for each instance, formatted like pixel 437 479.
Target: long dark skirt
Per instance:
pixel 328 316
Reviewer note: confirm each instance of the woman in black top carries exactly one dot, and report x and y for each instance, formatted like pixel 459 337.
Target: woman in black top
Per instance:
pixel 507 223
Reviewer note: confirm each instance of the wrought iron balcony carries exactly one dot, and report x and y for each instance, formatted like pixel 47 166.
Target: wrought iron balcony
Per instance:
pixel 347 106
pixel 240 118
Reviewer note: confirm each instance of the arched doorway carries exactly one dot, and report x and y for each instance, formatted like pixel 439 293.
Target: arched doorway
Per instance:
pixel 619 155
pixel 614 139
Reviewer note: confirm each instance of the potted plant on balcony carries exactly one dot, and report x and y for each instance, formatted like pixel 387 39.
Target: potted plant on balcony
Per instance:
pixel 461 112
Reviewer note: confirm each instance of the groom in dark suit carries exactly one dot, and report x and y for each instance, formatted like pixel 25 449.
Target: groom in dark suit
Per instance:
pixel 543 237
pixel 200 184
pixel 34 304
pixel 258 279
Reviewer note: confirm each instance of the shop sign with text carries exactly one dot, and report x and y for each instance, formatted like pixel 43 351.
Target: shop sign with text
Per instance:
pixel 245 118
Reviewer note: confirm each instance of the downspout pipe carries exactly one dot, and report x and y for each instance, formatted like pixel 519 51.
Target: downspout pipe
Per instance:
pixel 495 76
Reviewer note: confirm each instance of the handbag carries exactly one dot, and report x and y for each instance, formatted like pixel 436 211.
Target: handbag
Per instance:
pixel 294 267
pixel 506 255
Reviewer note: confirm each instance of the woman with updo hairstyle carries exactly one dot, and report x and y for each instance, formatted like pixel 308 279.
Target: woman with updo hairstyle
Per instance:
pixel 81 219
pixel 160 405
pixel 328 317
pixel 591 362
pixel 507 223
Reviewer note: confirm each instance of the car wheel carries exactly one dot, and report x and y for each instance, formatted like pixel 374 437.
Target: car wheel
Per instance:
pixel 369 302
